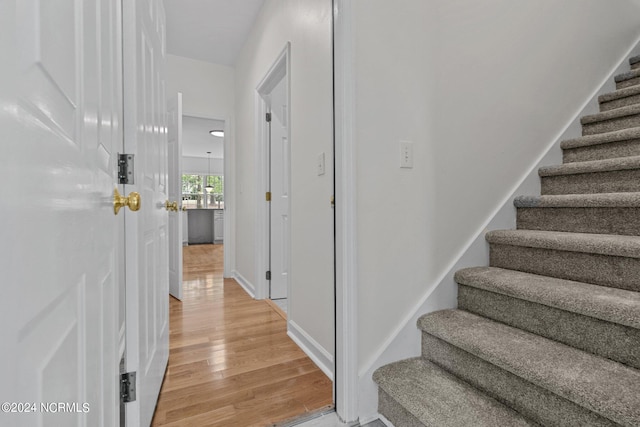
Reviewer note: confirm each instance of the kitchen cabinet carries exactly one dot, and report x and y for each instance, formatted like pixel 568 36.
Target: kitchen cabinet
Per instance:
pixel 218 226
pixel 205 226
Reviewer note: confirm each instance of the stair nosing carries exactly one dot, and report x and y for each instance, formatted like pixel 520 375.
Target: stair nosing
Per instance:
pixel 600 244
pixel 595 200
pixel 613 305
pixel 628 110
pixel 628 75
pixel 619 94
pixel 634 59
pixel 591 166
pixel 601 138
pixel 500 345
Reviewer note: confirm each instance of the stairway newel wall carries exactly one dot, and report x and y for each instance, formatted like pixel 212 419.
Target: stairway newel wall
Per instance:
pixel 442 294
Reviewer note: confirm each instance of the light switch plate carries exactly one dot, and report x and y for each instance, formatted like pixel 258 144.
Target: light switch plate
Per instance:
pixel 406 154
pixel 321 164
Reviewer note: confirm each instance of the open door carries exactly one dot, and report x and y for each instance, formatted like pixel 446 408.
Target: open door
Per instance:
pixel 174 132
pixel 274 236
pixel 147 234
pixel 60 118
pixel 279 169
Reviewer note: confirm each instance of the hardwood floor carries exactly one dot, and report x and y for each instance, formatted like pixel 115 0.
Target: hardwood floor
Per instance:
pixel 231 362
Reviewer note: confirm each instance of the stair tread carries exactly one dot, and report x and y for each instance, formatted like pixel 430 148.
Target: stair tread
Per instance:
pixel 438 398
pixel 602 244
pixel 601 138
pixel 627 76
pixel 595 200
pixel 591 166
pixel 620 93
pixel 601 302
pixel 634 59
pixel 617 113
pixel 600 385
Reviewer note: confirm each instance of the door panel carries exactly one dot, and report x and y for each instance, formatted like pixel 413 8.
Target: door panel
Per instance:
pixel 147 332
pixel 60 115
pixel 280 173
pixel 174 129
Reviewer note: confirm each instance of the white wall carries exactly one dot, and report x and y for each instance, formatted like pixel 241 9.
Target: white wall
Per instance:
pixel 307 25
pixel 207 89
pixel 200 165
pixel 482 89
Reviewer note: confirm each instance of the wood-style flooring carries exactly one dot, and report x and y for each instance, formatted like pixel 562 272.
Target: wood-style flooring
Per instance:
pixel 231 362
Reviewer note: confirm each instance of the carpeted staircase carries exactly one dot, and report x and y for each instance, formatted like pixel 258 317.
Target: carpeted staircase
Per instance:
pixel 549 333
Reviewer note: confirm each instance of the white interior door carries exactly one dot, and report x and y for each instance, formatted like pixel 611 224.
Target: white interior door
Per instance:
pixel 147 272
pixel 60 118
pixel 174 126
pixel 280 240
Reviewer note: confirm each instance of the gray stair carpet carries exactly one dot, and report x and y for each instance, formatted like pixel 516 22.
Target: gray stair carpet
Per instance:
pixel 549 333
pixel 612 120
pixel 604 213
pixel 628 79
pixel 621 143
pixel 619 98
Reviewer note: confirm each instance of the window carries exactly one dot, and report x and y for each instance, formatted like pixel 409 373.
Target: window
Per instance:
pixel 215 195
pixel 195 195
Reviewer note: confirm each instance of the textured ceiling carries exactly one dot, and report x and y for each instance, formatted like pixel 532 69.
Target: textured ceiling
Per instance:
pixel 209 30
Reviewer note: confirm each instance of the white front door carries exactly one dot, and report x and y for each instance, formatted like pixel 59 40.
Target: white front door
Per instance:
pixel 280 240
pixel 147 272
pixel 174 128
pixel 60 127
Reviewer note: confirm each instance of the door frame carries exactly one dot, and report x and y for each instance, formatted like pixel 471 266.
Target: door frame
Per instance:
pixel 281 69
pixel 346 375
pixel 177 181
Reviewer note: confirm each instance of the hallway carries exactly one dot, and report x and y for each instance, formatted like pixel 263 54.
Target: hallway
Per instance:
pixel 231 362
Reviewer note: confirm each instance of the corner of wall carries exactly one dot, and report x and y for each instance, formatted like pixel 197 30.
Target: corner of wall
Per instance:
pixel 442 294
pixel 246 285
pixel 321 357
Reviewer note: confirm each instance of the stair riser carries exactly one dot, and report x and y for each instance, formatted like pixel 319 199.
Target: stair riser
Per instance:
pixel 602 151
pixel 622 221
pixel 628 83
pixel 619 181
pixel 530 400
pixel 615 272
pixel 621 102
pixel 606 339
pixel 603 126
pixel 395 413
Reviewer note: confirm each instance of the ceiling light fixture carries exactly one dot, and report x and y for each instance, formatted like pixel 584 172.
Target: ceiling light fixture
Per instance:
pixel 218 133
pixel 209 187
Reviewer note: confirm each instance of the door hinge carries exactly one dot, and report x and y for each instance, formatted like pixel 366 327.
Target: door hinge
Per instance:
pixel 268 117
pixel 125 168
pixel 268 275
pixel 267 196
pixel 128 387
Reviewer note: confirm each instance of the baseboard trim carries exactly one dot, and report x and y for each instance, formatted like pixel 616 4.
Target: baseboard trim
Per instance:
pixel 315 351
pixel 246 285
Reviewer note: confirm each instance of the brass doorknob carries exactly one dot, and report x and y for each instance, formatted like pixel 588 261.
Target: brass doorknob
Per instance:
pixel 119 201
pixel 171 206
